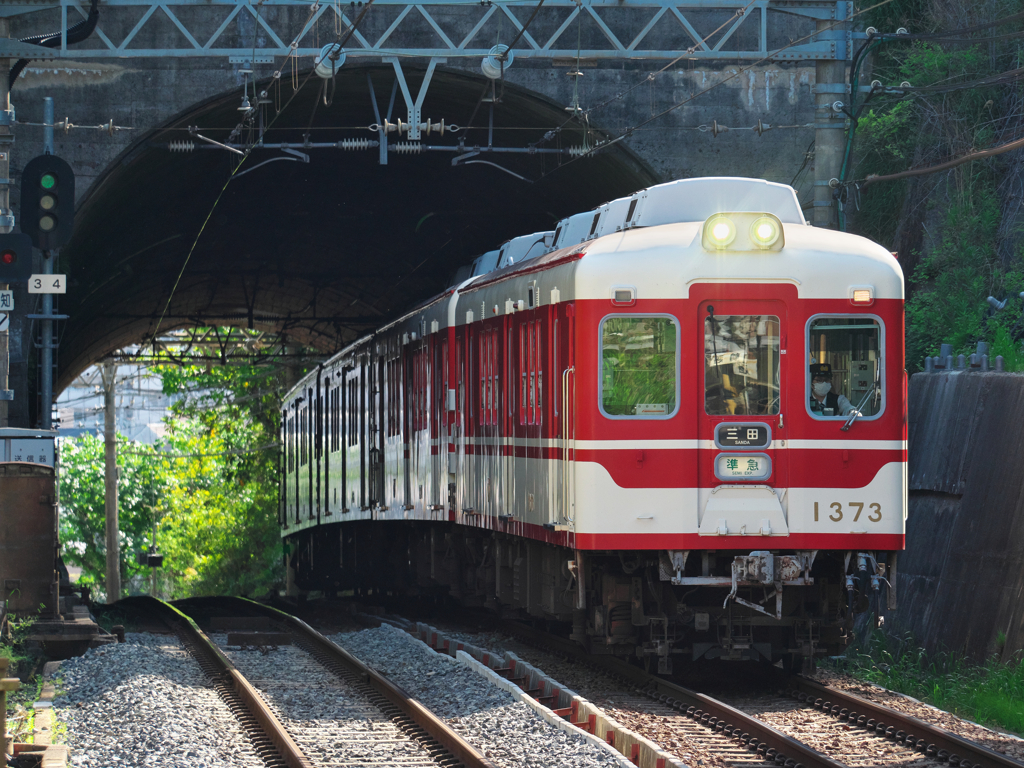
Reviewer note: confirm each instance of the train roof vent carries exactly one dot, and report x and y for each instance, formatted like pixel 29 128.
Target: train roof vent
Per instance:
pixel 485 263
pixel 461 274
pixel 575 229
pixel 521 248
pixel 697 199
pixel 613 217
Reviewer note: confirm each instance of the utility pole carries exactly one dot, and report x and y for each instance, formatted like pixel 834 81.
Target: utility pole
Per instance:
pixel 830 125
pixel 6 140
pixel 110 482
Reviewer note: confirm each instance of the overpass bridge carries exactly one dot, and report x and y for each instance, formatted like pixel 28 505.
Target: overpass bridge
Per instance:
pixel 352 202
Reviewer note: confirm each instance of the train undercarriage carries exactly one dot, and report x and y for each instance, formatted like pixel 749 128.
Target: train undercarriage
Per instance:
pixel 659 606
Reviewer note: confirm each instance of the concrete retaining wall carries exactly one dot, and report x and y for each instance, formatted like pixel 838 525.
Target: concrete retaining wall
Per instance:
pixel 961 579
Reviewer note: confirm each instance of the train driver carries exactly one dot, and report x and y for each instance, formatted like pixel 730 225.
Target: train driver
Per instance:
pixel 823 400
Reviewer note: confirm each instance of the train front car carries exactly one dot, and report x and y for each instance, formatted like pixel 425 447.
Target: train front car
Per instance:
pixel 739 437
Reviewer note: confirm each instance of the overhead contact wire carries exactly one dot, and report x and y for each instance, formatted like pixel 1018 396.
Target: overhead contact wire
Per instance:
pixel 234 172
pixel 629 131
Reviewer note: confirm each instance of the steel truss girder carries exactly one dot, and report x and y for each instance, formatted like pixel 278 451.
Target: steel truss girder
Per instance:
pixel 208 20
pixel 213 344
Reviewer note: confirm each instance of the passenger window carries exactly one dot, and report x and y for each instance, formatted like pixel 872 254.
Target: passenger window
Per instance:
pixel 741 365
pixel 639 366
pixel 844 366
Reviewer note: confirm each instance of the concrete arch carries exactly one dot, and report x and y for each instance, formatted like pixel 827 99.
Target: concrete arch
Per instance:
pixel 321 250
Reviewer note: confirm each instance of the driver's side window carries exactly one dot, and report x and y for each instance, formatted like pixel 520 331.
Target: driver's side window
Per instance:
pixel 844 366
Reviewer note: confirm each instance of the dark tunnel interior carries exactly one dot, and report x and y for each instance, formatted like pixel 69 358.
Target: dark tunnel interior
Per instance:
pixel 320 251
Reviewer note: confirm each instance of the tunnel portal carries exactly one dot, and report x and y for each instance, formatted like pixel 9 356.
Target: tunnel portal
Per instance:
pixel 324 250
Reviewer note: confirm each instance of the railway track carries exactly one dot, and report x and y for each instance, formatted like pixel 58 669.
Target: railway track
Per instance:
pixel 858 732
pixel 334 711
pixel 899 727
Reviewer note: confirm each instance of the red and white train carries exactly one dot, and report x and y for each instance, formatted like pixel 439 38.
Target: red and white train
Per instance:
pixel 613 425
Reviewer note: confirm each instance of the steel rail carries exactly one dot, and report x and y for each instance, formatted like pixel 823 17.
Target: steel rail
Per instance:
pixel 752 733
pixel 332 654
pixel 231 684
pixel 904 729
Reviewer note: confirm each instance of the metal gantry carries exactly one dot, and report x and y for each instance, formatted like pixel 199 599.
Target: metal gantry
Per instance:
pixel 628 29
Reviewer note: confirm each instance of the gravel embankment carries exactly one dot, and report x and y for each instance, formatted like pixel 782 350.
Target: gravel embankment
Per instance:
pixel 502 728
pixel 146 703
pixel 661 724
pixel 333 724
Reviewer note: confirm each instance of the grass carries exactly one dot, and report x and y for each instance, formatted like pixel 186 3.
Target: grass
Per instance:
pixel 23 663
pixel 991 693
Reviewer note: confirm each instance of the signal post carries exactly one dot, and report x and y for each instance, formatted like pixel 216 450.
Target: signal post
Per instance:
pixel 6 139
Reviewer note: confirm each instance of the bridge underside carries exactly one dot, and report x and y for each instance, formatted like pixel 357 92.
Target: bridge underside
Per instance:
pixel 320 251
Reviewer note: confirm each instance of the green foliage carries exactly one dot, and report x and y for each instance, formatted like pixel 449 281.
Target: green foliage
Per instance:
pixel 222 528
pixel 960 267
pixel 210 486
pixel 953 281
pixel 140 485
pixel 991 693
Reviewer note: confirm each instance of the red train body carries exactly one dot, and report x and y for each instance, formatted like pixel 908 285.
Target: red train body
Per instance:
pixel 614 424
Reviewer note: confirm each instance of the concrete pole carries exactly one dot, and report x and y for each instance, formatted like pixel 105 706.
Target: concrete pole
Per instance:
pixel 110 483
pixel 5 204
pixel 829 134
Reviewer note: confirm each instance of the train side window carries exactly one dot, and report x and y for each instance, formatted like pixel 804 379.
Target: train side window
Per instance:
pixel 523 373
pixel 538 360
pixel 556 374
pixel 741 365
pixel 844 366
pixel 510 375
pixel 639 366
pixel 290 435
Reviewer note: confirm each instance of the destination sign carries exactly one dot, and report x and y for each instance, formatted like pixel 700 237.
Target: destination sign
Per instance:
pixel 733 435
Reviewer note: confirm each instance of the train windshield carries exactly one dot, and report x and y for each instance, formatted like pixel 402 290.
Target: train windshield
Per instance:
pixel 844 366
pixel 639 366
pixel 741 365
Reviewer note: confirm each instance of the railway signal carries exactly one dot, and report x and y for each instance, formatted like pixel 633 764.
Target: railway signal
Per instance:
pixel 15 258
pixel 48 201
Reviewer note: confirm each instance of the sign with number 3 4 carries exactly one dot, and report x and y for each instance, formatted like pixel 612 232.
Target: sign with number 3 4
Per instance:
pixel 48 284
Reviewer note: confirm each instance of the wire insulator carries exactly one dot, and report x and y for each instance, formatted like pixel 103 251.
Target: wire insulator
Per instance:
pixel 181 146
pixel 407 148
pixel 351 144
pixel 579 151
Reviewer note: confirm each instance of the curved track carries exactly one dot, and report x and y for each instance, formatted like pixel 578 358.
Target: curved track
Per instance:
pixel 405 718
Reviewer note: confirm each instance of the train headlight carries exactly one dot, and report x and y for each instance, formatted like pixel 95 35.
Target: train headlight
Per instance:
pixel 719 231
pixel 736 231
pixel 764 232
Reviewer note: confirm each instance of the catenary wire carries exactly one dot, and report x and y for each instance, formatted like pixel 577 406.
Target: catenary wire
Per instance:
pixel 234 172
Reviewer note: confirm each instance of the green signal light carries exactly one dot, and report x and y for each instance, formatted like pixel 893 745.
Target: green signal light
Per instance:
pixel 49 181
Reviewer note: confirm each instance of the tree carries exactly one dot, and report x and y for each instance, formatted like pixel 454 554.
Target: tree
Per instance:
pixel 140 484
pixel 211 486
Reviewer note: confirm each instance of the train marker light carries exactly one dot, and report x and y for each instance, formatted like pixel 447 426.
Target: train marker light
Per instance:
pixel 764 232
pixel 862 295
pixel 719 231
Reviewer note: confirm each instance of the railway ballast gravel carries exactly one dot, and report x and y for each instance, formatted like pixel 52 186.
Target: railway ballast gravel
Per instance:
pixel 502 728
pixel 146 703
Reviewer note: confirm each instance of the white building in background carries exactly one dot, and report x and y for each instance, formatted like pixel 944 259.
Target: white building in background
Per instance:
pixel 140 404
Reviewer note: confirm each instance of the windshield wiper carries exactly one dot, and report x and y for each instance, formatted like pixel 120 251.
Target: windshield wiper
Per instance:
pixel 856 411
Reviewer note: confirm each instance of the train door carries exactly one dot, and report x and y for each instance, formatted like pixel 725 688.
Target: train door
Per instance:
pixel 742 473
pixel 564 402
pixel 438 433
